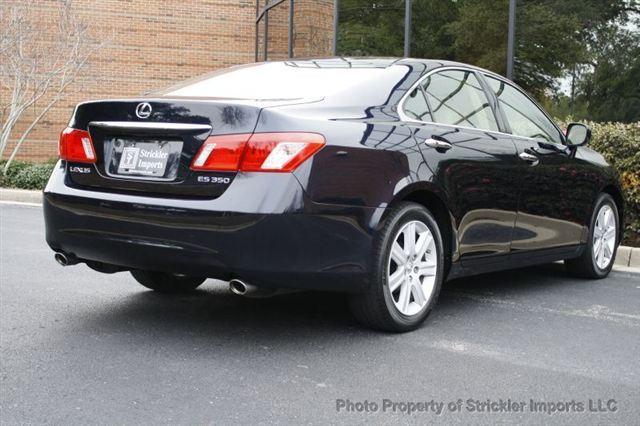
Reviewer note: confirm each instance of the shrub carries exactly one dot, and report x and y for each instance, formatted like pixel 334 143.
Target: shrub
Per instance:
pixel 35 176
pixel 25 175
pixel 620 145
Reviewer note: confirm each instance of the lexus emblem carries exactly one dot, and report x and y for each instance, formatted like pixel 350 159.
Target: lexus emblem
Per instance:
pixel 143 110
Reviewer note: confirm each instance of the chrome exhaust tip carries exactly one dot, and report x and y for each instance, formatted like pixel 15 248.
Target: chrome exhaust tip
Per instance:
pixel 238 287
pixel 65 259
pixel 61 258
pixel 242 288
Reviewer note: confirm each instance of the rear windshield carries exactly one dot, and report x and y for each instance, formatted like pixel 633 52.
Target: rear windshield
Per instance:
pixel 285 80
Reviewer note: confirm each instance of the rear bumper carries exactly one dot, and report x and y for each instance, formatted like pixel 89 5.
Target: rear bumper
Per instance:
pixel 283 241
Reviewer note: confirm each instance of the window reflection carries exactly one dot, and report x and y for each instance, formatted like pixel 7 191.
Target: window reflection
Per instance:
pixel 416 108
pixel 524 117
pixel 456 97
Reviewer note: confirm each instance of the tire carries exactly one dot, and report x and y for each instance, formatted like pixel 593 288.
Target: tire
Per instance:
pixel 164 282
pixel 395 311
pixel 587 265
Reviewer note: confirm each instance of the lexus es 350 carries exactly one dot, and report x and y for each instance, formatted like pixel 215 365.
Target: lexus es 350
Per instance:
pixel 380 178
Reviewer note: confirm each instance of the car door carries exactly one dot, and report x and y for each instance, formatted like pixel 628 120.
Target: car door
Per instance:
pixel 460 138
pixel 552 206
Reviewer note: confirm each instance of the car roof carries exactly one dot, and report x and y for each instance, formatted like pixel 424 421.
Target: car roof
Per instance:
pixel 343 62
pixel 380 62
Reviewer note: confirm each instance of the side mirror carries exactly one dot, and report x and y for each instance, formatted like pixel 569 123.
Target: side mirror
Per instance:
pixel 578 135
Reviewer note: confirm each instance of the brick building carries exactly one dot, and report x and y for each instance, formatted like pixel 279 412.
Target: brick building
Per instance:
pixel 155 43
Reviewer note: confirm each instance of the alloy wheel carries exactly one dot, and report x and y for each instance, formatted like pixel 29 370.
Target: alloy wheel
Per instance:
pixel 604 237
pixel 411 268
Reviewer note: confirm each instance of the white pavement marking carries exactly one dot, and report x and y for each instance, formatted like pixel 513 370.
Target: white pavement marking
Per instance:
pixel 596 312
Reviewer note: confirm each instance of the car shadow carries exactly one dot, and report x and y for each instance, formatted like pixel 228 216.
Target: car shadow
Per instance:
pixel 213 315
pixel 515 281
pixel 524 284
pixel 216 314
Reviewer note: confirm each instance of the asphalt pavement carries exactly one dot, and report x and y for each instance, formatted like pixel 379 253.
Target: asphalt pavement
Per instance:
pixel 531 346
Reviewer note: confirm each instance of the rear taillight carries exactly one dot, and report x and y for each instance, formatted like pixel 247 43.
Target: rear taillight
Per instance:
pixel 221 153
pixel 76 146
pixel 258 152
pixel 279 152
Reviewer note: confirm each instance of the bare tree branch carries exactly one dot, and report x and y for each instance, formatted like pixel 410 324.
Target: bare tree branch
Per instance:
pixel 38 60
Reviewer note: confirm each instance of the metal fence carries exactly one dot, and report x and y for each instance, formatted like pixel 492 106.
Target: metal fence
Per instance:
pixel 294 28
pixel 266 7
pixel 262 20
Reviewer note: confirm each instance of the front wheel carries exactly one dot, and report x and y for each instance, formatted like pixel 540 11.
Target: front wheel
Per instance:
pixel 597 260
pixel 408 272
pixel 164 282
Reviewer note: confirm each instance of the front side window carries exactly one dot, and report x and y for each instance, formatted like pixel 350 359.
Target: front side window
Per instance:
pixel 456 97
pixel 524 116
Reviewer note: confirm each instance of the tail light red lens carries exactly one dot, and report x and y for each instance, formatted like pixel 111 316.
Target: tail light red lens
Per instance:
pixel 76 146
pixel 220 153
pixel 258 152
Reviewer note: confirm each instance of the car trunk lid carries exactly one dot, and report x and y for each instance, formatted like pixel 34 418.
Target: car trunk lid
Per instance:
pixel 152 155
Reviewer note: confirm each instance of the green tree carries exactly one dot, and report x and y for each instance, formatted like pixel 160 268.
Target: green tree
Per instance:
pixel 376 28
pixel 371 28
pixel 610 89
pixel 547 43
pixel 554 39
pixel 431 37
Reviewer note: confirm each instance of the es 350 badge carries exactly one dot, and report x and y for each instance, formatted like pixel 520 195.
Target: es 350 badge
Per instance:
pixel 213 179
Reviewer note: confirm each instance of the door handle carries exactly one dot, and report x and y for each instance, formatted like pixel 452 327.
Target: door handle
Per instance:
pixel 438 145
pixel 529 158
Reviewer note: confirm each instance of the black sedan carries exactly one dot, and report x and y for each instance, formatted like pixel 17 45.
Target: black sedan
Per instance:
pixel 381 178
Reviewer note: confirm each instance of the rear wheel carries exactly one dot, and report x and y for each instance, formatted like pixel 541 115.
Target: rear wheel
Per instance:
pixel 164 282
pixel 597 259
pixel 408 272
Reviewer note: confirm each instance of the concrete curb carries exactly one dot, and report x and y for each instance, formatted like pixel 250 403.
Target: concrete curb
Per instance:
pixel 627 259
pixel 20 195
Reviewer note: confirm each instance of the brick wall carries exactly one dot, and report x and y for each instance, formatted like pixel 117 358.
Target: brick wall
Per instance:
pixel 312 30
pixel 155 43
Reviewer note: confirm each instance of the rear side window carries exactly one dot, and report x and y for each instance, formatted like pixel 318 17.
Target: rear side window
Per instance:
pixel 456 97
pixel 415 106
pixel 524 116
